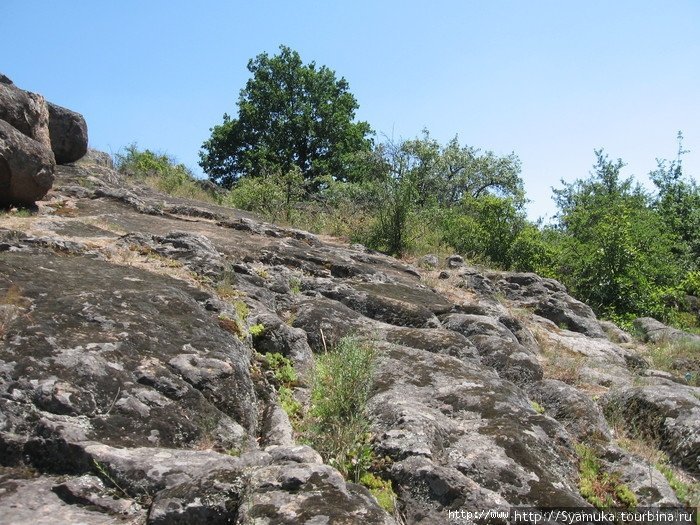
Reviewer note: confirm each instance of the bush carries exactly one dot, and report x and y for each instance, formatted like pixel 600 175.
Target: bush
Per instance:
pixel 337 425
pixel 161 172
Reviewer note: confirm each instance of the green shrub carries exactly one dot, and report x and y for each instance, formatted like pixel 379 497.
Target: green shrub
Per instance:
pixel 337 425
pixel 257 329
pixel 687 493
pixel 537 407
pixel 161 172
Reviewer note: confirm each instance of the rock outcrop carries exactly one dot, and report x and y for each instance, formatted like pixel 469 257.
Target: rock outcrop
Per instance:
pixel 26 167
pixel 68 132
pixel 34 136
pixel 132 390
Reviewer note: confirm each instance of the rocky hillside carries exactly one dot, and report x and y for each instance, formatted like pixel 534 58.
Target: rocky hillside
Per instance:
pixel 133 389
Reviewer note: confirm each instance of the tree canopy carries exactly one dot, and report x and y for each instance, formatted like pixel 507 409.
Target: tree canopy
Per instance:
pixel 289 115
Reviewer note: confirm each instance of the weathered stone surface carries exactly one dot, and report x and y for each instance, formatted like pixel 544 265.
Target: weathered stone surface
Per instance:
pixel 640 475
pixel 669 415
pixel 26 112
pixel 615 333
pixel 68 133
pixel 91 492
pixel 581 417
pixel 463 418
pixel 32 502
pixel 26 167
pixel 657 332
pixel 307 493
pixel 114 348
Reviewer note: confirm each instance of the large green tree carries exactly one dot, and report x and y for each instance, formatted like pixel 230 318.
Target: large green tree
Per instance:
pixel 290 115
pixel 420 180
pixel 616 252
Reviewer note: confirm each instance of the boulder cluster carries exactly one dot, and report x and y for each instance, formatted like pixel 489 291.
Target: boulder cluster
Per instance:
pixel 35 135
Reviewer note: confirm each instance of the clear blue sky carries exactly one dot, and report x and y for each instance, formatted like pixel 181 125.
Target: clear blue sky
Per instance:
pixel 549 80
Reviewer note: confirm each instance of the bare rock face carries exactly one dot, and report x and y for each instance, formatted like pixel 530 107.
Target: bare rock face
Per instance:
pixel 69 134
pixel 26 167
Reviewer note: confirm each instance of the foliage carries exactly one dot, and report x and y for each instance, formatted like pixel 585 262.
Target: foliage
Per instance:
pixel 614 249
pixel 678 356
pixel 282 369
pixel 687 493
pixel 485 228
pixel 162 172
pixel 337 424
pixel 678 205
pixel 537 407
pixel 419 178
pixel 290 115
pixel 381 489
pixel 257 330
pixel 272 195
pixel 602 489
pixel 285 378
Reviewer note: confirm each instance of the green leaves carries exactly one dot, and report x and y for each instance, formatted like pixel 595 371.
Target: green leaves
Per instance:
pixel 290 115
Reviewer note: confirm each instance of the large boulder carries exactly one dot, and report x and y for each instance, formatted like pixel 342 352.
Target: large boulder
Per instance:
pixel 27 112
pixel 26 167
pixel 68 132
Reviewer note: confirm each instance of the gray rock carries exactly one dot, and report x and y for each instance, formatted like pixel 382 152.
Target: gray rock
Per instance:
pixel 429 261
pixel 479 429
pixel 615 333
pixel 498 347
pixel 307 493
pixel 656 332
pixel 26 112
pixel 68 133
pixel 454 261
pixel 581 417
pixel 195 252
pixel 90 491
pixel 668 415
pixel 640 475
pixel 279 337
pixel 26 167
pixel 32 502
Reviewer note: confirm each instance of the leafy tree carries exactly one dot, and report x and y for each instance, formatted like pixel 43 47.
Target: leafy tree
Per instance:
pixel 485 228
pixel 420 178
pixel 615 249
pixel 678 204
pixel 289 115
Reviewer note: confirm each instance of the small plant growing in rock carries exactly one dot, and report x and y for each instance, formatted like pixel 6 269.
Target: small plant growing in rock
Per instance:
pixel 295 285
pixel 291 406
pixel 257 329
pixel 337 424
pixel 537 407
pixel 602 489
pixel 285 378
pixel 381 489
pixel 242 310
pixel 262 273
pixel 282 369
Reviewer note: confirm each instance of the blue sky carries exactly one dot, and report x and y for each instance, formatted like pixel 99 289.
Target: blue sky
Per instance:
pixel 548 80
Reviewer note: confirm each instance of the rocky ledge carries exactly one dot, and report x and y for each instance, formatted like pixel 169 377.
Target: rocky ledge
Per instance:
pixel 125 398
